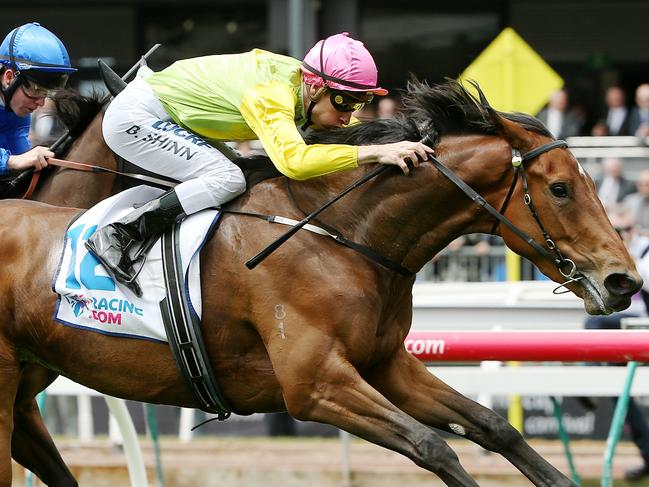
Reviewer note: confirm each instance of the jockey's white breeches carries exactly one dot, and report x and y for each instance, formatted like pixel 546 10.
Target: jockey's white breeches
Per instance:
pixel 137 127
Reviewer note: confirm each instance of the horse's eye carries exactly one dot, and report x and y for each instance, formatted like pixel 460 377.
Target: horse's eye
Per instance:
pixel 560 190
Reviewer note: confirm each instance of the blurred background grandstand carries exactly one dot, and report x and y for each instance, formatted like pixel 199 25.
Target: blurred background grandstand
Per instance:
pixel 591 44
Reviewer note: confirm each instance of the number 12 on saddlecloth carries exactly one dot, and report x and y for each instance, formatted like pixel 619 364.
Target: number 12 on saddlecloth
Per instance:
pixel 88 266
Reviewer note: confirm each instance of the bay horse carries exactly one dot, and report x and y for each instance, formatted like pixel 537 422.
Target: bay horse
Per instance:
pixel 317 329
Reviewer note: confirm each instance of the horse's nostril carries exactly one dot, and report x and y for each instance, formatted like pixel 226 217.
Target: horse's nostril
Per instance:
pixel 622 284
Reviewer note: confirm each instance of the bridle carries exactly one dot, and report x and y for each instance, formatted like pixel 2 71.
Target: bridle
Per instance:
pixel 566 267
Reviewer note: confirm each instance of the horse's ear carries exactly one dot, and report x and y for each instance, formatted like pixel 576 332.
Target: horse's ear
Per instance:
pixel 517 136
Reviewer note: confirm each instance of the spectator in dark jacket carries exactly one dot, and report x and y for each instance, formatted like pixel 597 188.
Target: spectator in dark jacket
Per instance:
pixel 558 118
pixel 639 118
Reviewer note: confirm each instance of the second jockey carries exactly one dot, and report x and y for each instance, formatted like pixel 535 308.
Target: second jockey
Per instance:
pixel 33 64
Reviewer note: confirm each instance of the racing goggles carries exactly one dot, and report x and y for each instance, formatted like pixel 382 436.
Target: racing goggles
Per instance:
pixel 35 90
pixel 343 101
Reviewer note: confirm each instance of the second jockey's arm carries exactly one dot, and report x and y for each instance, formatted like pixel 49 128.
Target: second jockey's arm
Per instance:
pixel 36 158
pixel 18 154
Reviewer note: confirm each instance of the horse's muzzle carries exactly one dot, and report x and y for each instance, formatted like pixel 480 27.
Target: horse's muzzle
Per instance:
pixel 622 284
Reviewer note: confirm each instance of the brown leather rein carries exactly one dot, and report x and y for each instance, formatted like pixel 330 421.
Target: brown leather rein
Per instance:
pixel 80 166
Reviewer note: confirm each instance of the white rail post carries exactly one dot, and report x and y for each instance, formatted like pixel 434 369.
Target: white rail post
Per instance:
pixel 345 468
pixel 134 458
pixel 185 433
pixel 84 420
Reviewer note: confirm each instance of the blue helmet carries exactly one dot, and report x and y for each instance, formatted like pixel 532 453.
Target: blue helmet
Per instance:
pixel 32 47
pixel 39 59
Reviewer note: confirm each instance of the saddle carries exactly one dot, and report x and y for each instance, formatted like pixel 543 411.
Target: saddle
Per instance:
pixel 169 311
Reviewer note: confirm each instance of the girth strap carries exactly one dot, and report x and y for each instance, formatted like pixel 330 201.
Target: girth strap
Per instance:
pixel 184 333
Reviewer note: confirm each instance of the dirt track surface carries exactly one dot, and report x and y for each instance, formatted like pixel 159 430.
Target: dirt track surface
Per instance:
pixel 235 462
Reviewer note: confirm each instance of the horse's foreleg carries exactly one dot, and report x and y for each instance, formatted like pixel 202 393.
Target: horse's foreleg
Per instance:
pixel 330 390
pixel 34 449
pixel 32 445
pixel 407 384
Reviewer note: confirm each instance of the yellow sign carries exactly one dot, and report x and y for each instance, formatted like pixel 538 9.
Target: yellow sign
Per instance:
pixel 512 75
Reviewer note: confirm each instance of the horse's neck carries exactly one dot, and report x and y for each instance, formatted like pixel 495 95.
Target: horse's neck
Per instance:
pixel 78 189
pixel 410 219
pixel 446 213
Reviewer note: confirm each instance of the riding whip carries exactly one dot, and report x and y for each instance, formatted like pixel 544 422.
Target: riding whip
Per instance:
pixel 252 263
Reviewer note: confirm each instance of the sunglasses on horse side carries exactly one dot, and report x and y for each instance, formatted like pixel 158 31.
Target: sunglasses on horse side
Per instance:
pixel 346 102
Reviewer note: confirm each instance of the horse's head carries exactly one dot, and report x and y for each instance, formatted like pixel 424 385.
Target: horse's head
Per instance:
pixel 573 239
pixel 570 222
pixel 82 116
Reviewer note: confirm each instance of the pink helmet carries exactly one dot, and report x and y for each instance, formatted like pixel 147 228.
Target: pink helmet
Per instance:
pixel 341 63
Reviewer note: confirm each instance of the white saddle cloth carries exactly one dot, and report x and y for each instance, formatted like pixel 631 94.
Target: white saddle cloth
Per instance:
pixel 89 298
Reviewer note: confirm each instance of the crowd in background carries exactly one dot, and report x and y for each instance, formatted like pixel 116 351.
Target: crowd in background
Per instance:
pixel 615 188
pixel 618 118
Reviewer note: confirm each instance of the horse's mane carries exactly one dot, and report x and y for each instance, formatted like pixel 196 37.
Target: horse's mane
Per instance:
pixel 76 111
pixel 528 122
pixel 434 110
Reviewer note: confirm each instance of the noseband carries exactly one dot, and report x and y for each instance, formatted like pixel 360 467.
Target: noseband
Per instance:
pixel 566 267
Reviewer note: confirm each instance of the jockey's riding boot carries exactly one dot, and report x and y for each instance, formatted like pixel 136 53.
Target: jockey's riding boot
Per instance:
pixel 122 244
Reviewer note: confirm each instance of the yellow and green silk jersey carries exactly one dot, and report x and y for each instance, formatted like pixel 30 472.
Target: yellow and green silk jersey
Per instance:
pixel 254 95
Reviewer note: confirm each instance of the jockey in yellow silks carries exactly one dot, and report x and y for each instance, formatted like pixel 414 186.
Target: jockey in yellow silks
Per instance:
pixel 165 122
